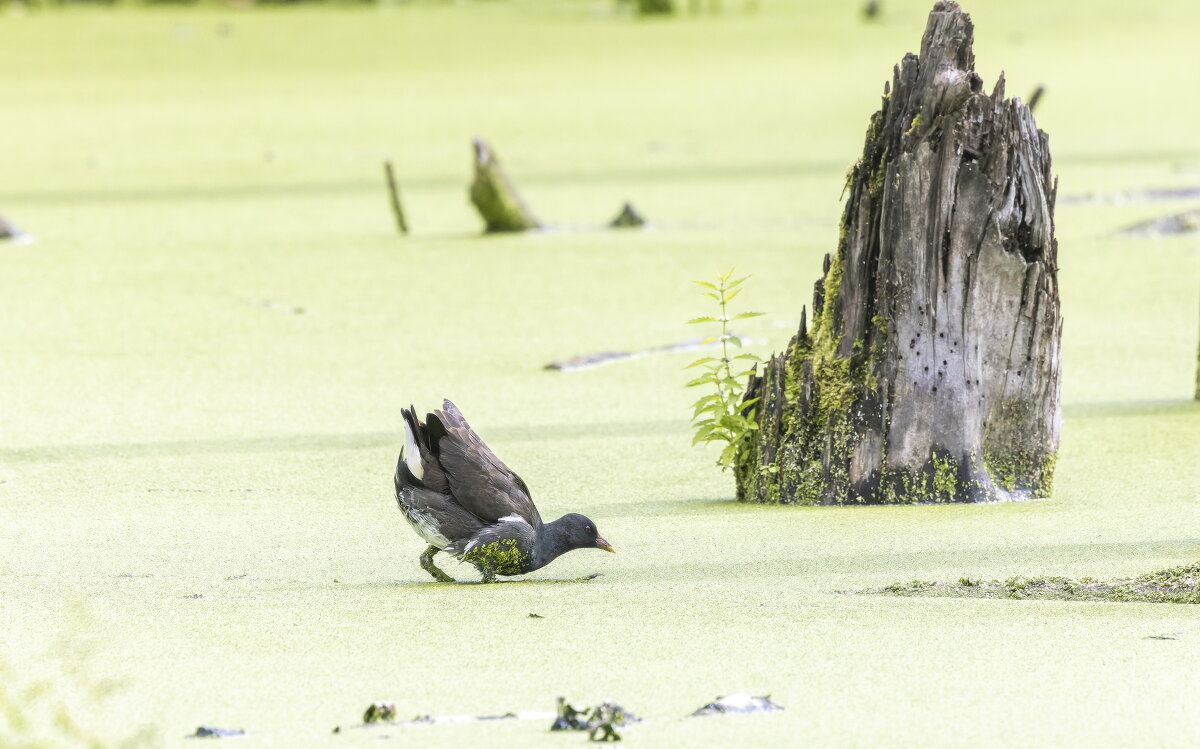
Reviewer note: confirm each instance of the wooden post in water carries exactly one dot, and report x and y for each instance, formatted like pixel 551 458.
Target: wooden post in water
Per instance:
pixel 930 369
pixel 394 192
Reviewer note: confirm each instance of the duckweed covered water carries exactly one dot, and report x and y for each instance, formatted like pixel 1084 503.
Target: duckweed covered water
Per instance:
pixel 207 472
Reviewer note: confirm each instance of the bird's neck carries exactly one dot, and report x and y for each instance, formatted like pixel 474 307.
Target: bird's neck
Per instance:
pixel 550 545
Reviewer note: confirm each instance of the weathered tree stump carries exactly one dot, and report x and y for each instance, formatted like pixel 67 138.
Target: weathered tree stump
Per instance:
pixel 495 197
pixel 931 372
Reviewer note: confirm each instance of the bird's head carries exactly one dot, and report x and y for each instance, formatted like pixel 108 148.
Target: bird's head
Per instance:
pixel 581 533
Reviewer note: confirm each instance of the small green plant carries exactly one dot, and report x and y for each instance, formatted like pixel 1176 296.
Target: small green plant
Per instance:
pixel 722 415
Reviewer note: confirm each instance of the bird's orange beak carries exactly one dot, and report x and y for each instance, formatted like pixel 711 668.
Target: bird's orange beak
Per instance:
pixel 602 544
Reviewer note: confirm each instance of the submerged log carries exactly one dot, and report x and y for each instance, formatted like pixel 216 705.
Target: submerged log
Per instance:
pixel 495 197
pixel 929 371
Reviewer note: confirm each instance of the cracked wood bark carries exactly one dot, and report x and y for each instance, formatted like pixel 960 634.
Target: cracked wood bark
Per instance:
pixel 931 372
pixel 495 197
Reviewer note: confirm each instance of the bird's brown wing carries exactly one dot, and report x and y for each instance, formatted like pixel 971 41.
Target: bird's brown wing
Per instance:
pixel 479 481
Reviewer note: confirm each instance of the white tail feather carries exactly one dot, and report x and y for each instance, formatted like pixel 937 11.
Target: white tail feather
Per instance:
pixel 412 453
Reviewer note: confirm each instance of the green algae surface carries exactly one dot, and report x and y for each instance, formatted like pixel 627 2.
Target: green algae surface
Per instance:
pixel 205 353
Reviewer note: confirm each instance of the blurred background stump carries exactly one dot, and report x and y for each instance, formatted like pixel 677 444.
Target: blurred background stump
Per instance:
pixel 931 372
pixel 628 218
pixel 494 196
pixel 655 7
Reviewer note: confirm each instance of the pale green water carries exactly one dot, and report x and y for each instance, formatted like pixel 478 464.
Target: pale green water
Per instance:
pixel 158 418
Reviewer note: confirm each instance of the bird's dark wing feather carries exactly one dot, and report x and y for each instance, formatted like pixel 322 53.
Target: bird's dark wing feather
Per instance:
pixel 478 480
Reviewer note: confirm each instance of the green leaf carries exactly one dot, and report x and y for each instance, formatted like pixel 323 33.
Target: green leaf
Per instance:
pixel 711 407
pixel 713 296
pixel 698 362
pixel 735 284
pixel 730 295
pixel 706 399
pixel 733 421
pixel 744 315
pixel 710 339
pixel 704 379
pixel 725 276
pixel 727 456
pixel 695 320
pixel 733 339
pixel 705 284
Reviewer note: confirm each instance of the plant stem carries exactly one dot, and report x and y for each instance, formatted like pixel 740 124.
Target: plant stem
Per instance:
pixel 727 398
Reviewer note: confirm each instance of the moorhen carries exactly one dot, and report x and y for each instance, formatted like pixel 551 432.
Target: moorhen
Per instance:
pixel 463 500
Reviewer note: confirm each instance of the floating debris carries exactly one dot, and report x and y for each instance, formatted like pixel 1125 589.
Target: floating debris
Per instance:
pixel 378 712
pixel 1175 585
pixel 536 616
pixel 628 218
pixel 1187 222
pixel 212 732
pixel 384 714
pixel 601 722
pixel 605 719
pixel 456 719
pixel 1150 195
pixel 586 361
pixel 738 704
pixel 570 718
pixel 277 307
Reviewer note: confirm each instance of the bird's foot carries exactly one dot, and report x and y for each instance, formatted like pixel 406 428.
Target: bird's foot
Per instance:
pixel 428 565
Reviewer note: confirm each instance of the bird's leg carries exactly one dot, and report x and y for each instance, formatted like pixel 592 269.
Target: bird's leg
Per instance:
pixel 428 565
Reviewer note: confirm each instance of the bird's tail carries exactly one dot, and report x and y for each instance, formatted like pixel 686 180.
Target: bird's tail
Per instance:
pixel 410 456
